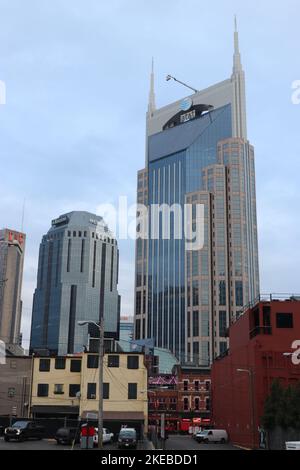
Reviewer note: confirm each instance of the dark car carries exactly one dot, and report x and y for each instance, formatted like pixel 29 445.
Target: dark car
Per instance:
pixel 22 430
pixel 127 438
pixel 67 436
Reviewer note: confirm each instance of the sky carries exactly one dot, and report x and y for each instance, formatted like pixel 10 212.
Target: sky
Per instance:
pixel 72 131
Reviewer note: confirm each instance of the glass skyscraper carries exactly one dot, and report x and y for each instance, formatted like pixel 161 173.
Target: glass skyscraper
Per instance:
pixel 197 153
pixel 77 280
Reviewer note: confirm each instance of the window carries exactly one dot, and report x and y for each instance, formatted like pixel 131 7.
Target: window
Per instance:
pixel 185 385
pixel 132 362
pixel 222 324
pixel 197 385
pixel 73 390
pixel 92 361
pixel 223 347
pixel 43 390
pixel 11 392
pixel 207 385
pixel 75 365
pixel 106 391
pixel 132 391
pixel 195 294
pixel 44 365
pixel 58 389
pixel 138 303
pixel 195 324
pixel 222 293
pixel 197 404
pixel 13 364
pixel 239 296
pixel 186 405
pixel 91 391
pixel 60 363
pixel 284 320
pixel 113 361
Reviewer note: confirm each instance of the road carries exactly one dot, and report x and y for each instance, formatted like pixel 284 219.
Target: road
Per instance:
pixel 173 443
pixel 188 443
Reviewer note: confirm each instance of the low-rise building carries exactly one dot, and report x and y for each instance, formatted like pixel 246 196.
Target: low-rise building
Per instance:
pixel 69 387
pixel 15 379
pixel 261 348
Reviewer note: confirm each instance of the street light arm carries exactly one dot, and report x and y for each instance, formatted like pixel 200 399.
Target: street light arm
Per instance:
pixel 169 77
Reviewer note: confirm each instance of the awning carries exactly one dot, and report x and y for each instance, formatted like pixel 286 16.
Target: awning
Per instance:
pixel 48 409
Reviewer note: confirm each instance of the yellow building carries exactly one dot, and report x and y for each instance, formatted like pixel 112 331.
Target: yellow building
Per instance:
pixel 68 387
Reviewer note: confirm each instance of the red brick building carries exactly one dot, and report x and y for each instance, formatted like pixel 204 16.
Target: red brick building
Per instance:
pixel 183 397
pixel 261 344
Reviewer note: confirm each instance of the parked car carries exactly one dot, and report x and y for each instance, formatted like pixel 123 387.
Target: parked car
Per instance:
pixel 67 436
pixel 107 436
pixel 127 438
pixel 22 430
pixel 292 445
pixel 212 435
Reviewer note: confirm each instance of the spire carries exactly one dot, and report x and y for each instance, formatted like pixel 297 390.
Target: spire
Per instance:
pixel 237 63
pixel 151 105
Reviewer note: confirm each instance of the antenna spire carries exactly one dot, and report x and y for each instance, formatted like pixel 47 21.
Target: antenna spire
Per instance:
pixel 237 63
pixel 152 105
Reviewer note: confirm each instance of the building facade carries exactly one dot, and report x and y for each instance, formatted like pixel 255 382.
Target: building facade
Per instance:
pixel 69 386
pixel 15 382
pixel 197 156
pixel 261 347
pixel 183 397
pixel 77 280
pixel 12 249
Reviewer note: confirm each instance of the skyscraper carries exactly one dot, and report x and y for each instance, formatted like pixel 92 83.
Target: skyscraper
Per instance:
pixel 12 248
pixel 197 153
pixel 77 280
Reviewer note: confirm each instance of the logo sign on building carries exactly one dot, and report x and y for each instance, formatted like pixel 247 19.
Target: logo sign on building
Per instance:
pixel 188 116
pixel 61 221
pixel 186 104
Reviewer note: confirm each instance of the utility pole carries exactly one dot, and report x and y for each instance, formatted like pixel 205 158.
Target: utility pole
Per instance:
pixel 101 366
pixel 100 381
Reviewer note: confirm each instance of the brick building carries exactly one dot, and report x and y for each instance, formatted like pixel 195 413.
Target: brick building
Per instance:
pixel 261 348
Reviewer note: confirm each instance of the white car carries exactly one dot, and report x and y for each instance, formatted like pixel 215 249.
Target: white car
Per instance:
pixel 292 445
pixel 212 435
pixel 107 436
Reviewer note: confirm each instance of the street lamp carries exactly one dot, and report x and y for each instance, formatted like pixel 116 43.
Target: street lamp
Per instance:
pixel 100 383
pixel 251 379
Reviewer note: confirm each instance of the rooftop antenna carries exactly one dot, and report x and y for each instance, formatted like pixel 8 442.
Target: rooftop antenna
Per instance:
pixel 169 77
pixel 23 215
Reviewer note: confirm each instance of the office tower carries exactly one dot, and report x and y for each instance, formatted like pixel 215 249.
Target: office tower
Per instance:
pixel 12 248
pixel 197 154
pixel 77 280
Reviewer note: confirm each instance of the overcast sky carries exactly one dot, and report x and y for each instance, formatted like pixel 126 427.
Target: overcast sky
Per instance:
pixel 72 133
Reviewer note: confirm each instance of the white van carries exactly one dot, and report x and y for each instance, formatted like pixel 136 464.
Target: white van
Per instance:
pixel 292 445
pixel 212 435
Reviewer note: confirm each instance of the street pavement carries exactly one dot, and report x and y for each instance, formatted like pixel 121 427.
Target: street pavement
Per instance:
pixel 173 443
pixel 188 443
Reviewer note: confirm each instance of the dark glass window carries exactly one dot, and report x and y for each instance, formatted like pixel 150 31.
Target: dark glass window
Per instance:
pixel 106 391
pixel 222 293
pixel 222 324
pixel 239 296
pixel 92 361
pixel 132 362
pixel 138 303
pixel 113 361
pixel 75 365
pixel 43 390
pixel 60 363
pixel 69 255
pixel 132 391
pixel 195 324
pixel 185 385
pixel 284 320
pixel 44 365
pixel 73 390
pixel 138 329
pixel 91 391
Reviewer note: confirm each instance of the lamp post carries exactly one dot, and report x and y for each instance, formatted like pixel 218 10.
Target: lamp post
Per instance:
pixel 251 379
pixel 100 382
